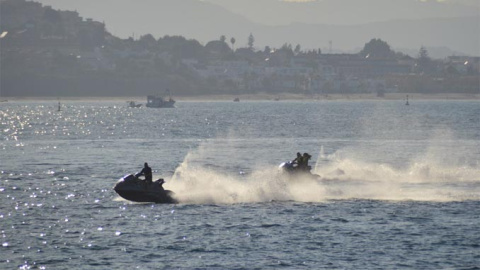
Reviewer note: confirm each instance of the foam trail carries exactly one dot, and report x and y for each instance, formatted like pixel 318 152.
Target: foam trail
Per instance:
pixel 420 181
pixel 201 185
pixel 425 179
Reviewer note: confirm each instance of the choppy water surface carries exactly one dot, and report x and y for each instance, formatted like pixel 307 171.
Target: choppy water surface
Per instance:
pixel 400 185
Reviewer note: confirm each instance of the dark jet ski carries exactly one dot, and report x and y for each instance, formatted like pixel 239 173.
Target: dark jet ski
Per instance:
pixel 134 189
pixel 291 169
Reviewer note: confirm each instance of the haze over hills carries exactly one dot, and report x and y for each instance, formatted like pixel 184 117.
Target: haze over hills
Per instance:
pixel 347 12
pixel 405 25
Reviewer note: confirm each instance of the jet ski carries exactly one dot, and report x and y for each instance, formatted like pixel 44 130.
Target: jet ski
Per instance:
pixel 292 169
pixel 135 189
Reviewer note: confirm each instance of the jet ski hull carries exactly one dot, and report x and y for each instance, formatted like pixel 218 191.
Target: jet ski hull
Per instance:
pixel 139 196
pixel 136 190
pixel 293 171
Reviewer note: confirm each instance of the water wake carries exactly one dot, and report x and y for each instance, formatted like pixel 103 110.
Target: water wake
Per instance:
pixel 341 179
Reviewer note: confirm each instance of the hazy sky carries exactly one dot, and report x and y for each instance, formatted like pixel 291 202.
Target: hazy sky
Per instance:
pixel 339 12
pixel 347 12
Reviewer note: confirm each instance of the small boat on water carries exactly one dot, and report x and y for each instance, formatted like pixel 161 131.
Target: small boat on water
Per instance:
pixel 132 104
pixel 236 100
pixel 159 102
pixel 135 189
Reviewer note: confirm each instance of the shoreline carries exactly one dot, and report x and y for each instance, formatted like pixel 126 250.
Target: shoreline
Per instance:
pixel 270 97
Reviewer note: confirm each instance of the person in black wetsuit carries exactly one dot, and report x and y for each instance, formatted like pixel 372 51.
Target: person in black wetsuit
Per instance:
pixel 147 172
pixel 298 160
pixel 302 162
pixel 160 183
pixel 305 158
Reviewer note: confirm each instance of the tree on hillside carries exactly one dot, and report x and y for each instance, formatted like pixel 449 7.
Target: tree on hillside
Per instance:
pixel 52 24
pixel 377 48
pixel 147 42
pixel 298 49
pixel 181 48
pixel 251 41
pixel 424 62
pixel 287 48
pixel 267 50
pixel 52 16
pixel 192 49
pixel 423 53
pixel 223 38
pixel 282 56
pixel 91 37
pixel 169 43
pixel 217 47
pixel 232 40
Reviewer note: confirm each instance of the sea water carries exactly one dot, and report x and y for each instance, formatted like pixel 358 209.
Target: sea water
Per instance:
pixel 399 187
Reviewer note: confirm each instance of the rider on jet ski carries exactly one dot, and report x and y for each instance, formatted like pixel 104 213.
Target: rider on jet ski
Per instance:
pixel 302 162
pixel 147 172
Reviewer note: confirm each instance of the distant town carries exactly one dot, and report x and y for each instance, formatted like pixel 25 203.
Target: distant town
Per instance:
pixel 47 52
